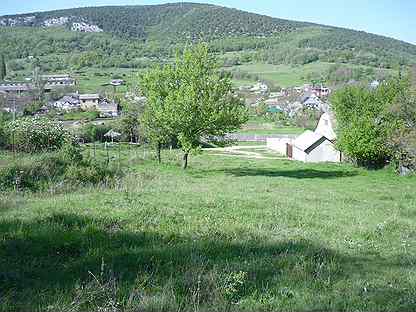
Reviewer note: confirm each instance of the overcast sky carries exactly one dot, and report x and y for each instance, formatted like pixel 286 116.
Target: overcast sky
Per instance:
pixel 385 17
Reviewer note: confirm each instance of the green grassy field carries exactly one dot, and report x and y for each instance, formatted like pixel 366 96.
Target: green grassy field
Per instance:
pixel 229 234
pixel 287 75
pixel 260 126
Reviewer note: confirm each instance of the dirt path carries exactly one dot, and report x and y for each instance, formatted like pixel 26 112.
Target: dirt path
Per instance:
pixel 254 152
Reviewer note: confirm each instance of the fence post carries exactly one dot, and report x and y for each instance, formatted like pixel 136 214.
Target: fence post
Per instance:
pixel 119 155
pixel 108 156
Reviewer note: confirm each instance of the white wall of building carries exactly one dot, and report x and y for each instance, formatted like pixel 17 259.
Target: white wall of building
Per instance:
pixel 298 154
pixel 278 144
pixel 325 152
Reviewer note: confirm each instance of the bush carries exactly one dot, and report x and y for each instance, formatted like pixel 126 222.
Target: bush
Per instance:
pixel 93 173
pixel 39 171
pixel 4 119
pixel 364 121
pixel 36 134
pixel 93 133
pixel 402 141
pixel 33 173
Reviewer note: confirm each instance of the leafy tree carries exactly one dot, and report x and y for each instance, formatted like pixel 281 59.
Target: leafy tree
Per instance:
pixel 201 101
pixel 3 71
pixel 156 85
pixel 261 109
pixel 364 122
pixel 402 140
pixel 191 100
pixel 307 118
pixel 129 124
pixel 38 86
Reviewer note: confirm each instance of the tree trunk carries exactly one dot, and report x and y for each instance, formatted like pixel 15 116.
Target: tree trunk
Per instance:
pixel 158 148
pixel 185 160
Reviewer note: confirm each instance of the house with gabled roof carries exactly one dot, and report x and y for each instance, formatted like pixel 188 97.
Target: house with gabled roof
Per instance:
pixel 318 145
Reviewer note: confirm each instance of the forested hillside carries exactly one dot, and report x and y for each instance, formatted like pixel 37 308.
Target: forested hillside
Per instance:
pixel 184 21
pixel 137 36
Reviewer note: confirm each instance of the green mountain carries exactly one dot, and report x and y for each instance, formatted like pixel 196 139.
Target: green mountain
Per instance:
pixel 173 21
pixel 136 36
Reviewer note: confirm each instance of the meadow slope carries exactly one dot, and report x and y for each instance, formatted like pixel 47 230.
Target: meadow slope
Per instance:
pixel 228 234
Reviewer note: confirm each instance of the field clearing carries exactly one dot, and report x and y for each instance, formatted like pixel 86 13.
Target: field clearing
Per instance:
pixel 229 234
pixel 289 75
pixel 260 126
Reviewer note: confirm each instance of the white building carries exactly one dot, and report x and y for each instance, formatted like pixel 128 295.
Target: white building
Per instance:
pixel 259 88
pixel 311 146
pixel 279 144
pixel 107 108
pixel 67 103
pixel 89 101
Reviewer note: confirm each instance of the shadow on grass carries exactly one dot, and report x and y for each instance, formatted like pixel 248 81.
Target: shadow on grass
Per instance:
pixel 51 256
pixel 293 173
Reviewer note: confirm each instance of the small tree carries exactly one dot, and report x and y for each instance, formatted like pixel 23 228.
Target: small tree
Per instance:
pixel 3 71
pixel 156 85
pixel 201 102
pixel 191 100
pixel 261 109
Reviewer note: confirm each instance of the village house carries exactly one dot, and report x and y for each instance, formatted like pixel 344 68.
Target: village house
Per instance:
pixel 311 101
pixel 259 88
pixel 321 91
pixel 86 102
pixel 67 103
pixel 313 147
pixel 89 102
pixel 374 84
pixel 58 80
pixel 15 87
pixel 310 146
pixel 107 108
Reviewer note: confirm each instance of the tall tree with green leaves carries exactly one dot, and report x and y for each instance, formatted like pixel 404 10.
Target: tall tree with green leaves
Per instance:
pixel 202 102
pixel 193 101
pixel 3 70
pixel 365 122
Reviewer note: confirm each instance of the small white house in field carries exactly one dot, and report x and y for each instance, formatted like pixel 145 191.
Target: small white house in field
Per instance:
pixel 318 145
pixel 314 147
pixel 310 146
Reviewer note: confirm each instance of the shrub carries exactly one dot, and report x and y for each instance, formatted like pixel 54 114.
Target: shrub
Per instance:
pixel 33 173
pixel 36 134
pixel 39 171
pixel 92 173
pixel 93 133
pixel 4 119
pixel 402 141
pixel 70 152
pixel 364 121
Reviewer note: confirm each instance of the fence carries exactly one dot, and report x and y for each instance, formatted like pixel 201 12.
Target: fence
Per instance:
pixel 256 138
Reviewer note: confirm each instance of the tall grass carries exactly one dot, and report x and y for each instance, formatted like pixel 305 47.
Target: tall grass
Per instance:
pixel 230 234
